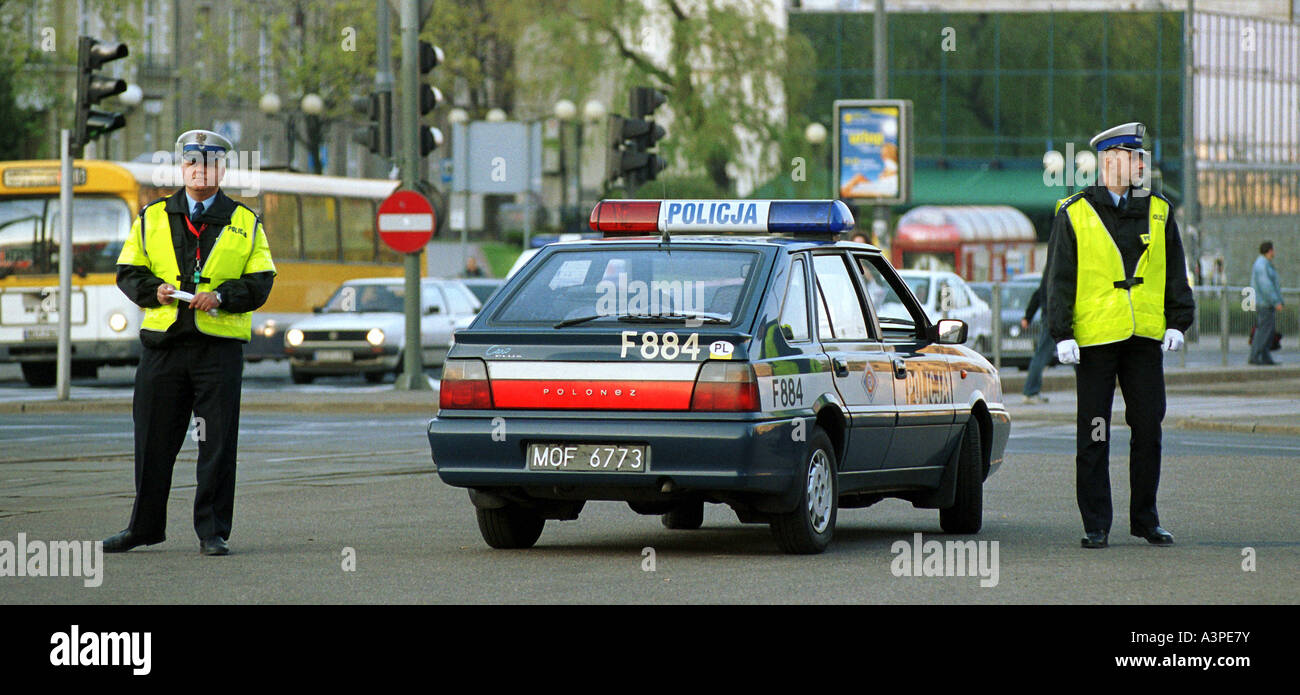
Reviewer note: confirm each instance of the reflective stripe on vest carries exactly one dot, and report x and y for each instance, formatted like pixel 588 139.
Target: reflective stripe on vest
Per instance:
pixel 1104 313
pixel 226 261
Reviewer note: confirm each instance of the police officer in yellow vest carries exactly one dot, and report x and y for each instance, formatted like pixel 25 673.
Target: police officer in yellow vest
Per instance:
pixel 201 242
pixel 1117 296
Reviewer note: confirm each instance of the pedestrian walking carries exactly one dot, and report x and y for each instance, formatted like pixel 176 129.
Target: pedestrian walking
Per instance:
pixel 1268 302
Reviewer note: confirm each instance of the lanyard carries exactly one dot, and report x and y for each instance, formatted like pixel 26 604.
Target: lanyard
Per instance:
pixel 198 246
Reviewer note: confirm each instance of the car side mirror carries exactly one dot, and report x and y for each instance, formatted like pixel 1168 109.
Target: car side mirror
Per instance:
pixel 949 332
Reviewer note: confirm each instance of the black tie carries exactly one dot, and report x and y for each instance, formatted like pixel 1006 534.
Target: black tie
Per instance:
pixel 198 210
pixel 1122 204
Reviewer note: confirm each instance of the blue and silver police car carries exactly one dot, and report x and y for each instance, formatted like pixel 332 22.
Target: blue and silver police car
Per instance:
pixel 715 351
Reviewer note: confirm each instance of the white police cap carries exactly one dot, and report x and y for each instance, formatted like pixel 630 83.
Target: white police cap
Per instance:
pixel 1128 136
pixel 204 141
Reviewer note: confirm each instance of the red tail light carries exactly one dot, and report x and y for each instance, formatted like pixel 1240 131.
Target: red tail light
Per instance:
pixel 465 385
pixel 726 387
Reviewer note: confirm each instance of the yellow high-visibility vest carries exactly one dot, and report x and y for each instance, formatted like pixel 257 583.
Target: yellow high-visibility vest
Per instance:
pixel 1104 313
pixel 240 248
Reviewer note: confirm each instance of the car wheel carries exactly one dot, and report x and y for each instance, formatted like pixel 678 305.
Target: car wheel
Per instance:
pixel 808 529
pixel 687 516
pixel 967 511
pixel 510 526
pixel 39 374
pixel 300 377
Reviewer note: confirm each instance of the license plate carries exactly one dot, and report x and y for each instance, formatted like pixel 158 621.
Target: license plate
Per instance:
pixel 333 355
pixel 589 458
pixel 41 333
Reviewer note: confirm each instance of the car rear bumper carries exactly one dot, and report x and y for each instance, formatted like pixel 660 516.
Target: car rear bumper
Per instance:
pixel 742 455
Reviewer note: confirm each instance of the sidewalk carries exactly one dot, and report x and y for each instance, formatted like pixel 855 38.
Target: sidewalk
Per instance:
pixel 1235 399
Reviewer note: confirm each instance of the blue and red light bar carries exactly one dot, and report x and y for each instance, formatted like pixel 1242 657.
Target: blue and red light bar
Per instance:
pixel 643 217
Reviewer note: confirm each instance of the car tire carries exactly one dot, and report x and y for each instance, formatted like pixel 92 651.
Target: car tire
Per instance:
pixel 39 374
pixel 808 529
pixel 687 516
pixel 510 527
pixel 375 377
pixel 300 377
pixel 966 513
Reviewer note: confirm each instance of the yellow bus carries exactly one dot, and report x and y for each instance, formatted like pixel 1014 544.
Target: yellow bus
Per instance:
pixel 320 228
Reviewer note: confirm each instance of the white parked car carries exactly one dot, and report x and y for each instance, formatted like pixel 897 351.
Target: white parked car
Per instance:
pixel 945 295
pixel 362 328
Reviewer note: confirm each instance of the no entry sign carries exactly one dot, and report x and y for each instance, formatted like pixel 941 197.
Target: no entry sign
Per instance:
pixel 405 221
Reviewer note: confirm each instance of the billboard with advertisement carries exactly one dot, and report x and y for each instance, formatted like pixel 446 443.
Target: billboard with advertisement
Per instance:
pixel 873 150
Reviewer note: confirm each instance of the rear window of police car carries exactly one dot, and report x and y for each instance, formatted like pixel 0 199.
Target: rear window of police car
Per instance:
pixel 610 282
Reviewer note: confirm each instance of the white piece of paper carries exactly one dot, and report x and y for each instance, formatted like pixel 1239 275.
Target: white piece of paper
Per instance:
pixel 183 296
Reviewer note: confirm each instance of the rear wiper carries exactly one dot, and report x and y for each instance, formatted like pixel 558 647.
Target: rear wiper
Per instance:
pixel 703 317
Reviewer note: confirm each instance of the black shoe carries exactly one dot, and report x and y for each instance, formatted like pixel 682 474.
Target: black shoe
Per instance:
pixel 1156 536
pixel 215 545
pixel 127 540
pixel 1094 539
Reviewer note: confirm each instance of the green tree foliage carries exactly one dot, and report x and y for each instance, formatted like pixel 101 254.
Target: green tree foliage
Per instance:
pixel 729 72
pixel 37 68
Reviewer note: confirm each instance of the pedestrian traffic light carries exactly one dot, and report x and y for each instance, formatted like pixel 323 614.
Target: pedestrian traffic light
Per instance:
pixel 91 122
pixel 377 134
pixel 630 139
pixel 429 97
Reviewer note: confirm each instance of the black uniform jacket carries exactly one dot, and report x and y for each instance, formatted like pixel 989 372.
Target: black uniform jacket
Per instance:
pixel 248 293
pixel 1125 227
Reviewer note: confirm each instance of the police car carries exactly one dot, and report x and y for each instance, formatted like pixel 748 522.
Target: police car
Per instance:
pixel 671 364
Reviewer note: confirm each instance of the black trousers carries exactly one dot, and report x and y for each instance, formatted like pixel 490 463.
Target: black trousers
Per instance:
pixel 170 384
pixel 1139 365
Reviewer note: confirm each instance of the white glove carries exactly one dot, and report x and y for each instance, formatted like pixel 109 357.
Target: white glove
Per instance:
pixel 1067 351
pixel 1173 340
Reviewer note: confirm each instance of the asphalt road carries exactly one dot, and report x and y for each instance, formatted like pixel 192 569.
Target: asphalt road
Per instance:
pixel 313 487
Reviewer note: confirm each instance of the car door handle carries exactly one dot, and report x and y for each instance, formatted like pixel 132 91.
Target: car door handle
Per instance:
pixel 841 367
pixel 900 368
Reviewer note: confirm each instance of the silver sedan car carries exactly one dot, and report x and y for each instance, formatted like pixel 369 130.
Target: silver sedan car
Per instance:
pixel 362 328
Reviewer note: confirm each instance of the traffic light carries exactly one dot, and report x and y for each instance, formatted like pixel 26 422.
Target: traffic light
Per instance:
pixel 377 135
pixel 430 57
pixel 91 122
pixel 630 139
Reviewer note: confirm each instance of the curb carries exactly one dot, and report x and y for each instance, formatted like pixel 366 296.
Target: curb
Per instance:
pixel 424 404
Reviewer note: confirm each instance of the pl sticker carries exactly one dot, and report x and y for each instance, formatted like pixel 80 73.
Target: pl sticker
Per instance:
pixel 721 350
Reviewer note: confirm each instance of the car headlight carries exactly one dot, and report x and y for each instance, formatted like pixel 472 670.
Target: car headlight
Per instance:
pixel 375 337
pixel 117 322
pixel 267 329
pixel 293 337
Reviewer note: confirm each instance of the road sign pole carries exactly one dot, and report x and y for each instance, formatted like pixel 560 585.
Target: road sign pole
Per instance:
pixel 412 378
pixel 63 368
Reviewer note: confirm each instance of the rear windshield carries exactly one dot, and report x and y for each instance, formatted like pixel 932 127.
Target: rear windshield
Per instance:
pixel 612 282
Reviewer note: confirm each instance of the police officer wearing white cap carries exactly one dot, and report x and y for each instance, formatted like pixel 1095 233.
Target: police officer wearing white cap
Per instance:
pixel 1117 296
pixel 201 242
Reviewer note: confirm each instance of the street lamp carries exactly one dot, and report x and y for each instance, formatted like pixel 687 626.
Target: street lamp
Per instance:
pixel 565 110
pixel 311 106
pixel 457 116
pixel 815 135
pixel 496 115
pixel 592 112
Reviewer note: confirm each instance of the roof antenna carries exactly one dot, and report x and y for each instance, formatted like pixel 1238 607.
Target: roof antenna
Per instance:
pixel 663 238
